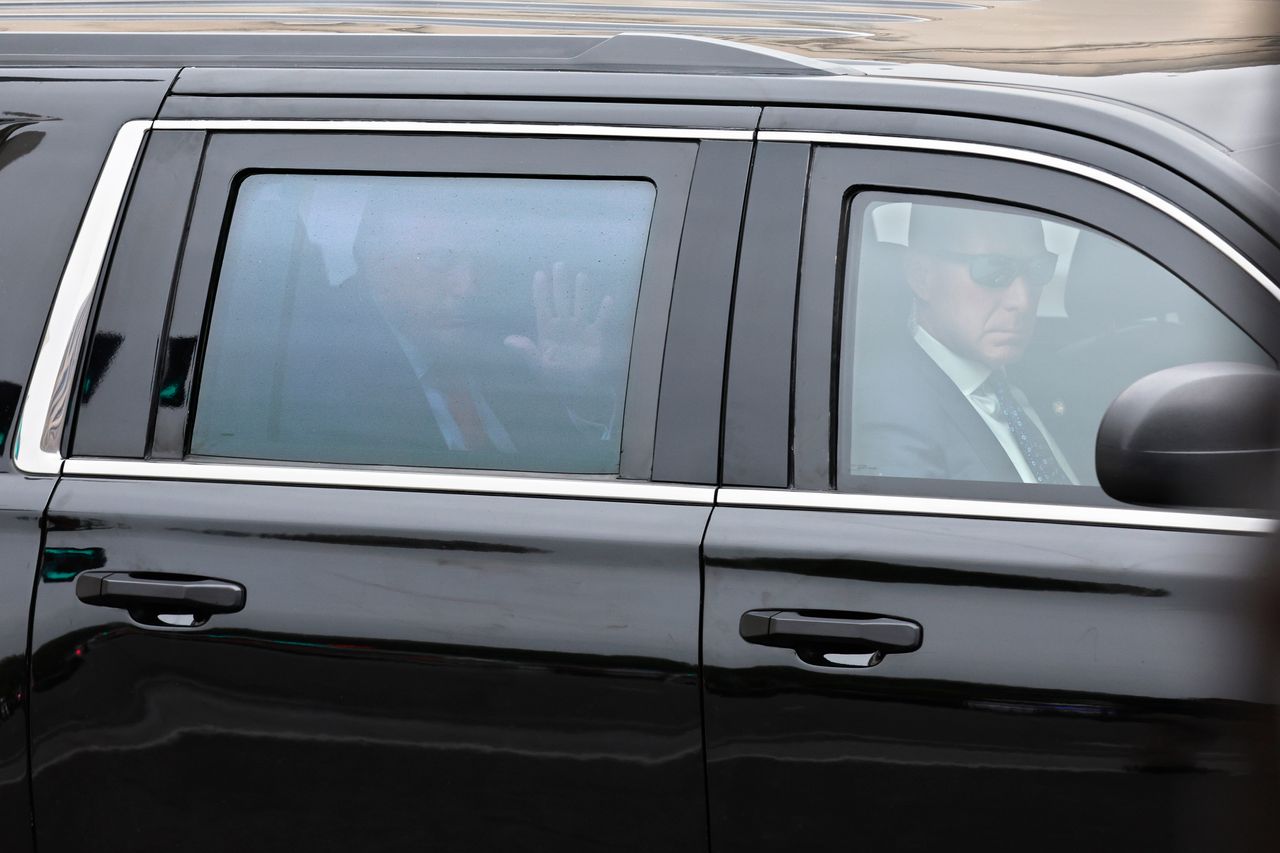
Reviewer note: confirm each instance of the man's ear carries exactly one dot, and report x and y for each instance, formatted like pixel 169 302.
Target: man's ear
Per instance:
pixel 918 273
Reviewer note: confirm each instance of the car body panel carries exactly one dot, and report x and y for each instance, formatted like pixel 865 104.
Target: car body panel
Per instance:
pixel 1076 687
pixel 409 669
pixel 55 127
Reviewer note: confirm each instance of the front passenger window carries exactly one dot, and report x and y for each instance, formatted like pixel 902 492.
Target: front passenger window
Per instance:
pixel 984 342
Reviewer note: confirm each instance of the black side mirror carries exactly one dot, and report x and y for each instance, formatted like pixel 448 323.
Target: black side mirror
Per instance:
pixel 1203 435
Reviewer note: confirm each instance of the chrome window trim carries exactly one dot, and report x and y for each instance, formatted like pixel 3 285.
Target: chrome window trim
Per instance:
pixel 999 510
pixel 38 445
pixel 454 128
pixel 1035 158
pixel 1063 513
pixel 275 473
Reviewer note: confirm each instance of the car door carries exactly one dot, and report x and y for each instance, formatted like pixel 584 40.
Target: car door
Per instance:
pixel 320 569
pixel 907 643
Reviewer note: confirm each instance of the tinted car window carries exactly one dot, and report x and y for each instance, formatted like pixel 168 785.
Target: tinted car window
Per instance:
pixel 461 322
pixel 984 342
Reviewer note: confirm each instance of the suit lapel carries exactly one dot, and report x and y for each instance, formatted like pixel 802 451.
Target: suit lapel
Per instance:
pixel 392 379
pixel 967 422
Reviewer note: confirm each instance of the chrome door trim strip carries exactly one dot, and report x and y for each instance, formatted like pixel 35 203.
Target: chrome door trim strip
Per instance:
pixel 271 473
pixel 1036 159
pixel 1000 510
pixel 454 127
pixel 37 448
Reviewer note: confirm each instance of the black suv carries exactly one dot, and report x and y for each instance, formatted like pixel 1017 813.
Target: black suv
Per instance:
pixel 635 443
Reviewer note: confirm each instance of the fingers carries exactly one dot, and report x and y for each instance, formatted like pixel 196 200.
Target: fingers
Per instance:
pixel 564 297
pixel 605 317
pixel 581 298
pixel 562 290
pixel 542 307
pixel 521 344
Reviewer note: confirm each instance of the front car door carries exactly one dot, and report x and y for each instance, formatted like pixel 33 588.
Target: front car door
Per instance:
pixel 362 540
pixel 925 625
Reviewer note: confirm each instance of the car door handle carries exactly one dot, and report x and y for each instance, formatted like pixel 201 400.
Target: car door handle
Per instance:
pixel 826 632
pixel 181 593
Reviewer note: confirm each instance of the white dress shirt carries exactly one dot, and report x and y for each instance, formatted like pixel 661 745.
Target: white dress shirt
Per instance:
pixel 969 376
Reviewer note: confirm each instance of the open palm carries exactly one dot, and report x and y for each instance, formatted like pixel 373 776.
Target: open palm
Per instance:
pixel 569 345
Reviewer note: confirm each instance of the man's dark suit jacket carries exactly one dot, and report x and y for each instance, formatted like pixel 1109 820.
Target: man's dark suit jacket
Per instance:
pixel 345 391
pixel 910 420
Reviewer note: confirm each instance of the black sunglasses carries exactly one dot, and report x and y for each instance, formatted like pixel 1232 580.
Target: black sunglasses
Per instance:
pixel 1000 271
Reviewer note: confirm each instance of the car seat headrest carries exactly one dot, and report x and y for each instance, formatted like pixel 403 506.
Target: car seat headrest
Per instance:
pixel 884 299
pixel 1110 284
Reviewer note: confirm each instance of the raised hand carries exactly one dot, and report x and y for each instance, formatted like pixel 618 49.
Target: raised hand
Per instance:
pixel 570 347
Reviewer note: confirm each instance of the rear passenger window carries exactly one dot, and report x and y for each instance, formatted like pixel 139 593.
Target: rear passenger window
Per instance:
pixel 983 342
pixel 459 322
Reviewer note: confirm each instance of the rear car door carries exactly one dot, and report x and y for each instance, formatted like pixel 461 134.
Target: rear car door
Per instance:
pixel 911 639
pixel 380 523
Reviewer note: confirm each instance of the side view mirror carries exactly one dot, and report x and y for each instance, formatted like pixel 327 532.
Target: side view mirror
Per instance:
pixel 1203 435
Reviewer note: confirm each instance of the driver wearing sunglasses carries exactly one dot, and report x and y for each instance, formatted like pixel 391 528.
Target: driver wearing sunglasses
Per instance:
pixel 976 276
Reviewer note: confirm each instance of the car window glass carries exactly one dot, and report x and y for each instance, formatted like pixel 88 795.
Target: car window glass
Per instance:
pixel 984 342
pixel 460 322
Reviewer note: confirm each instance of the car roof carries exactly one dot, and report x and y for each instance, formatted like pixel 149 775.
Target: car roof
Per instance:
pixel 1222 104
pixel 1194 114
pixel 1235 108
pixel 1209 100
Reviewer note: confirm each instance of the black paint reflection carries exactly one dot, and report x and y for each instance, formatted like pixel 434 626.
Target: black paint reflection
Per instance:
pixel 13 672
pixel 56 523
pixel 101 353
pixel 15 142
pixel 898 573
pixel 489 748
pixel 61 565
pixel 176 371
pixel 10 394
pixel 362 540
pixel 52 659
pixel 780 682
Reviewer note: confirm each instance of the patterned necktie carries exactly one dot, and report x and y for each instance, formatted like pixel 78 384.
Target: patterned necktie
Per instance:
pixel 462 406
pixel 1035 449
